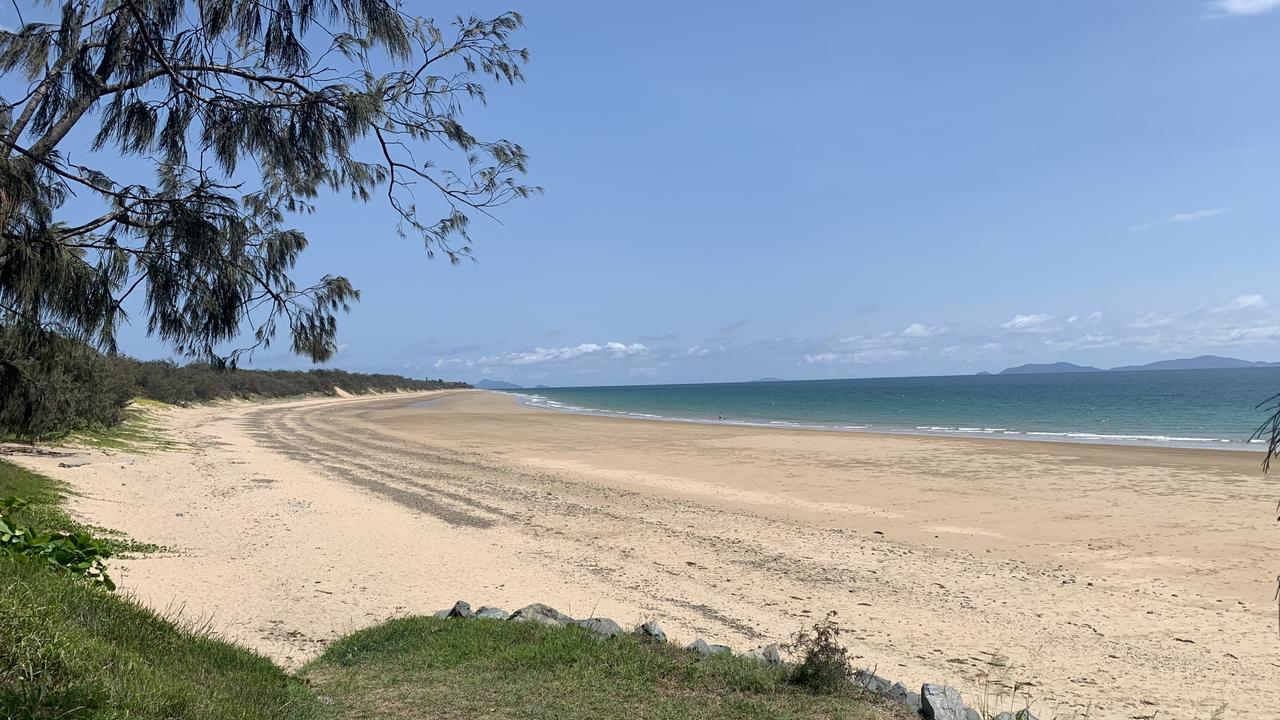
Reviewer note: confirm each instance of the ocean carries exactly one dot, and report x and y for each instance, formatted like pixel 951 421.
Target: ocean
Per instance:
pixel 1182 408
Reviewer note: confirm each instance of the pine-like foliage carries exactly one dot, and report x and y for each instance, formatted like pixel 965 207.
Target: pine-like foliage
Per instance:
pixel 247 110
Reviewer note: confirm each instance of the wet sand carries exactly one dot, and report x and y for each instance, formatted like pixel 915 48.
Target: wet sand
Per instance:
pixel 1120 581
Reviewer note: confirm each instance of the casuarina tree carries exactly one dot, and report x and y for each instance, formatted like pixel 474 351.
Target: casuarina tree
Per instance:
pixel 160 149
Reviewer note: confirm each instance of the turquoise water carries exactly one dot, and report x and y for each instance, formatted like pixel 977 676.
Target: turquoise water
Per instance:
pixel 1187 408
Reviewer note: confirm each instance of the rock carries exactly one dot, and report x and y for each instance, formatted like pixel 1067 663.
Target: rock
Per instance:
pixel 939 702
pixel 1023 714
pixel 767 654
pixel 971 714
pixel 441 614
pixel 492 613
pixel 701 647
pixel 603 627
pixel 901 695
pixel 651 631
pixel 540 613
pixel 461 609
pixel 871 682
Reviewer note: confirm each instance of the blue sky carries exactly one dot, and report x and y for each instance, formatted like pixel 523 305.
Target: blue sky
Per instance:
pixel 847 190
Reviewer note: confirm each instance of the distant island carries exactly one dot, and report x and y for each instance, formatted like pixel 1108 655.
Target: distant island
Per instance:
pixel 771 379
pixel 488 384
pixel 1047 368
pixel 1201 362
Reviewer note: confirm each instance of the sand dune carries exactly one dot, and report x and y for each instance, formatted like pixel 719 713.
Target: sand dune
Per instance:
pixel 1119 580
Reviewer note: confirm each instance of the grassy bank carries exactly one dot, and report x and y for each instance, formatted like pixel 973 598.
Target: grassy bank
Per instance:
pixel 72 651
pixel 453 669
pixel 69 650
pixel 46 509
pixel 139 430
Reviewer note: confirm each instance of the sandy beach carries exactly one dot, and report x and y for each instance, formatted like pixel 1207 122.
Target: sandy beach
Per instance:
pixel 1117 581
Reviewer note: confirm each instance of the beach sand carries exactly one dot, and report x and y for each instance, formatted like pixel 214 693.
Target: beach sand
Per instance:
pixel 1118 580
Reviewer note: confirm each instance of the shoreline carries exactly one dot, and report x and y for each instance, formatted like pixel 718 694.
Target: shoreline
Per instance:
pixel 1103 575
pixel 524 399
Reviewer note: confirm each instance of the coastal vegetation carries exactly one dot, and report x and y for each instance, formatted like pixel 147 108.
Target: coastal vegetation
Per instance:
pixel 60 385
pixel 72 649
pixel 198 131
pixel 423 667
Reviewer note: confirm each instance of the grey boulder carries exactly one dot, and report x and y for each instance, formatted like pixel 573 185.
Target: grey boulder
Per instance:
pixel 441 614
pixel 540 613
pixel 939 702
pixel 603 627
pixel 901 695
pixel 492 613
pixel 767 654
pixel 461 609
pixel 701 647
pixel 871 682
pixel 651 631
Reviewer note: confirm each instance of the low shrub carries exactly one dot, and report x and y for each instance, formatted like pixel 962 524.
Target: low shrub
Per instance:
pixel 77 553
pixel 52 385
pixel 824 667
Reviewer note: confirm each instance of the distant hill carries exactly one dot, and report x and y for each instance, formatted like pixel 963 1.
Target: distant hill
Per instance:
pixel 1202 362
pixel 771 379
pixel 487 384
pixel 1045 368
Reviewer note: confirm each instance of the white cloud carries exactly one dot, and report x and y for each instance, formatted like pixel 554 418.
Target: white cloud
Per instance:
pixel 560 354
pixel 825 358
pixel 1150 320
pixel 542 355
pixel 1245 302
pixel 919 330
pixel 1088 341
pixel 1244 7
pixel 1027 323
pixel 858 357
pixel 1183 217
pixel 1198 214
pixel 1089 320
pixel 1245 325
pixel 703 350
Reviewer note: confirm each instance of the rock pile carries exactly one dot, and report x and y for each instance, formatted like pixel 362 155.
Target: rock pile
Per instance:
pixel 933 702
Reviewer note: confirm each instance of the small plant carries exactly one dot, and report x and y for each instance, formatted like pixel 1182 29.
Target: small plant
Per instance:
pixel 825 667
pixel 78 553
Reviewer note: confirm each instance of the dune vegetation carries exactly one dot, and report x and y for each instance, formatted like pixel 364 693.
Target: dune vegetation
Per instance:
pixel 71 649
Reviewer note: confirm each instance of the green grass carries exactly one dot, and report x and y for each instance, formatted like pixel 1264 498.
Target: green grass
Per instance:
pixel 422 667
pixel 46 512
pixel 72 651
pixel 138 432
